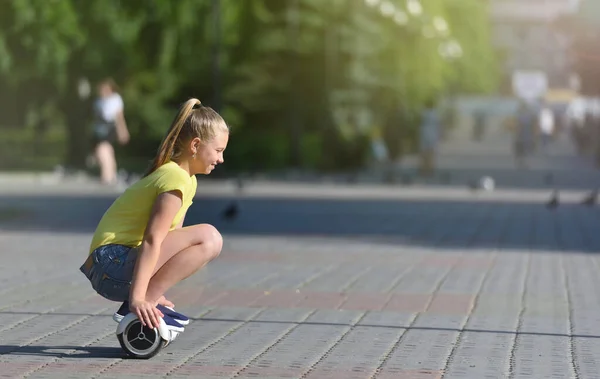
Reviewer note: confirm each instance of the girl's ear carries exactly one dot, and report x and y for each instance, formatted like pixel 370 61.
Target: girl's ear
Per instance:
pixel 195 144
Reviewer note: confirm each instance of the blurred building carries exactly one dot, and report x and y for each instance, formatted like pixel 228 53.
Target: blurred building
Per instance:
pixel 525 31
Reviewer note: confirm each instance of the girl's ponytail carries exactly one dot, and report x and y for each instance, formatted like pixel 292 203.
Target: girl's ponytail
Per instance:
pixel 165 151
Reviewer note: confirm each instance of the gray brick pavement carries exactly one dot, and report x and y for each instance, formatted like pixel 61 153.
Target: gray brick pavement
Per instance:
pixel 446 289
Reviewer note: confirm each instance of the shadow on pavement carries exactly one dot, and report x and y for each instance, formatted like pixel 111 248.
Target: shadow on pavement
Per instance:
pixel 64 351
pixel 447 224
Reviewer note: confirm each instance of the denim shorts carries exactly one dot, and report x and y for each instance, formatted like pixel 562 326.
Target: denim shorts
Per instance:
pixel 110 271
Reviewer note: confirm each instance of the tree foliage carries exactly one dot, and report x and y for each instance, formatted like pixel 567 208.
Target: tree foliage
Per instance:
pixel 308 83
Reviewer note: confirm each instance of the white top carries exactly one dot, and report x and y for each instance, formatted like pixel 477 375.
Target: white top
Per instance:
pixel 576 109
pixel 546 121
pixel 107 108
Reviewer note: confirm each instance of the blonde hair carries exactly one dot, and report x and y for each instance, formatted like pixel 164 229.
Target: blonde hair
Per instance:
pixel 193 120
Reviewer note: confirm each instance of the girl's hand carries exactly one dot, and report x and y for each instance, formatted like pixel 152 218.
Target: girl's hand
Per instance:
pixel 122 131
pixel 147 312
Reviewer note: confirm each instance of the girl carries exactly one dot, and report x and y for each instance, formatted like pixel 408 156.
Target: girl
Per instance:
pixel 140 249
pixel 109 127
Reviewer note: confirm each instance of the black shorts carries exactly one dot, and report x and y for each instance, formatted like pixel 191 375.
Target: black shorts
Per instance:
pixel 104 133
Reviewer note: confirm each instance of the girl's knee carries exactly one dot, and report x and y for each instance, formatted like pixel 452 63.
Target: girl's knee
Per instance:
pixel 212 239
pixel 215 242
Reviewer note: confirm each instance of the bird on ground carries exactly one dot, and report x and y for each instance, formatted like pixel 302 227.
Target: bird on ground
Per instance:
pixel 231 212
pixel 554 201
pixel 591 199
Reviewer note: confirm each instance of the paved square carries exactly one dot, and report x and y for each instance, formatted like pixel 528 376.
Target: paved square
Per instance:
pixel 411 285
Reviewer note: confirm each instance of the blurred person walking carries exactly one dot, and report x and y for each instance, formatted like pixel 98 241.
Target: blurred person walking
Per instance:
pixel 429 137
pixel 109 127
pixel 479 123
pixel 576 121
pixel 525 133
pixel 546 125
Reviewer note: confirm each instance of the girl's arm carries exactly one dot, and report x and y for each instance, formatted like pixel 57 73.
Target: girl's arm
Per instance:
pixel 165 208
pixel 122 131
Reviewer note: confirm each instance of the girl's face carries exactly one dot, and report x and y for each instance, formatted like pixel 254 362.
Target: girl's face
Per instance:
pixel 208 154
pixel 104 90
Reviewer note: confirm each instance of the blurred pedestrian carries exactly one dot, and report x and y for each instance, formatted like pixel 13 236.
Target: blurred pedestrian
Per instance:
pixel 576 121
pixel 109 127
pixel 546 125
pixel 429 137
pixel 524 133
pixel 479 123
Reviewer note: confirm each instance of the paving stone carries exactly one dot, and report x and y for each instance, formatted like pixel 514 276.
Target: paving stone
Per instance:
pixel 468 288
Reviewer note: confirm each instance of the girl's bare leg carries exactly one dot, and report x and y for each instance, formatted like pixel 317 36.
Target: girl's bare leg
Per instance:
pixel 105 155
pixel 183 252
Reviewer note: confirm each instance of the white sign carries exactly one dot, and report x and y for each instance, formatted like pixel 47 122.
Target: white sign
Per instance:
pixel 530 85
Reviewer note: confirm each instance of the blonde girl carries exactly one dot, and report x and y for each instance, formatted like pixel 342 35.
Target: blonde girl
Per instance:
pixel 140 248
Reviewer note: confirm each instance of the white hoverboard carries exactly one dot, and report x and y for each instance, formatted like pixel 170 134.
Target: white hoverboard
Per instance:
pixel 142 342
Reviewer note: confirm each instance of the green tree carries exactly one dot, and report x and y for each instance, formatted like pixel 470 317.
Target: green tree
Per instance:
pixel 306 83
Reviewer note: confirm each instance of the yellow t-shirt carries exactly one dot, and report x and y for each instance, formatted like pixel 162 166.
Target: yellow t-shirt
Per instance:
pixel 124 223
